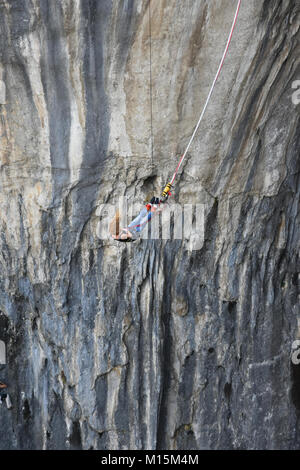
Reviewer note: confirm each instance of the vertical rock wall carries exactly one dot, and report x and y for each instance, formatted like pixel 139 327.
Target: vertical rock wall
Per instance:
pixel 148 345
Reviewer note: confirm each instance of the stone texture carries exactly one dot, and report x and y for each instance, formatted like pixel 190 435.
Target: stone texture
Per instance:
pixel 150 345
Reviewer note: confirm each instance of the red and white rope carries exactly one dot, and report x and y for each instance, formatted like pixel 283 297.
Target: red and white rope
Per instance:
pixel 211 90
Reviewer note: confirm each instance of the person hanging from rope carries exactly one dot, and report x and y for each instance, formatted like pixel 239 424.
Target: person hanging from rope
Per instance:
pixel 132 231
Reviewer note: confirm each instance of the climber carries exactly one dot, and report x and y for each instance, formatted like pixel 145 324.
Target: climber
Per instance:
pixel 130 233
pixel 4 396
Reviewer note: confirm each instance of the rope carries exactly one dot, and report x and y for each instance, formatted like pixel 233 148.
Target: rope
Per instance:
pixel 150 79
pixel 210 92
pixel 204 108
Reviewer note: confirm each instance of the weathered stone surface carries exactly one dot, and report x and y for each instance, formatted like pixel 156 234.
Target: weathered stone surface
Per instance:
pixel 149 345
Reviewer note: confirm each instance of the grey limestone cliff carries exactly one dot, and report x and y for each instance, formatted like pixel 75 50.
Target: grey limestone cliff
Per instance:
pixel 150 345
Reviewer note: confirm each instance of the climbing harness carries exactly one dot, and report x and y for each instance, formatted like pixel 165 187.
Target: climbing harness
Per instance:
pixel 170 184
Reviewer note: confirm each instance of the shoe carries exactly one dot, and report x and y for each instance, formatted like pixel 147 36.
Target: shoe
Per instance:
pixel 154 200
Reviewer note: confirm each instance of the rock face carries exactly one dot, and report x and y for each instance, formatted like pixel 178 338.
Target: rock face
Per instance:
pixel 150 345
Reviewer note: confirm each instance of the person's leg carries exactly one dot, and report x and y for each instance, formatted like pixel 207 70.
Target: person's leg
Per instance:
pixel 154 200
pixel 138 219
pixel 144 221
